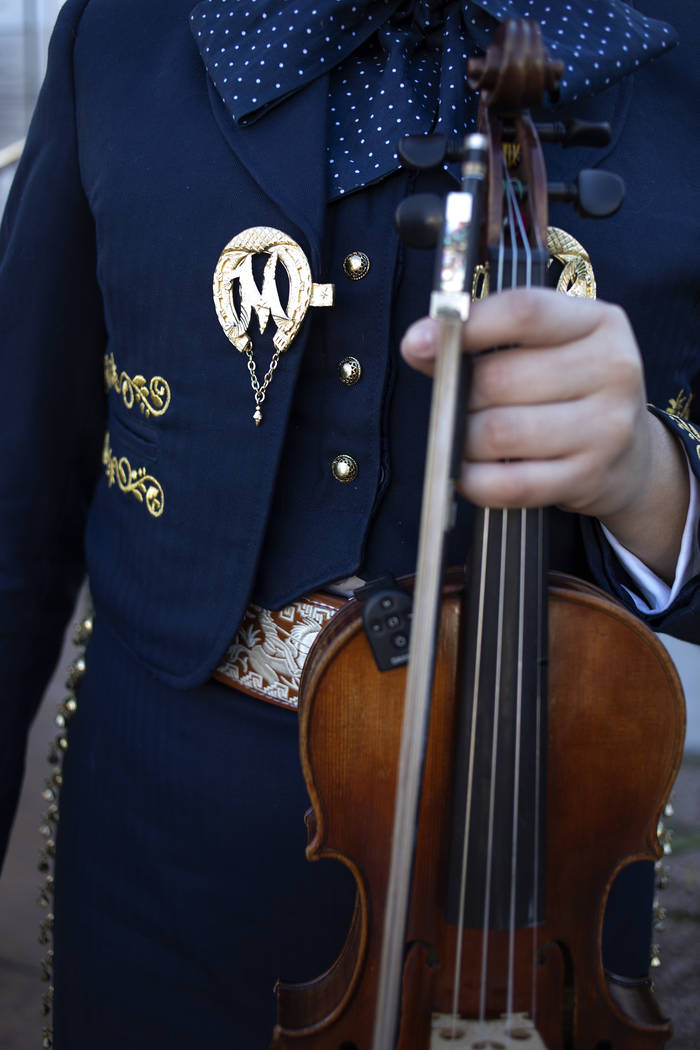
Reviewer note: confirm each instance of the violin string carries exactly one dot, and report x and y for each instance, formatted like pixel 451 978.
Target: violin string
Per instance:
pixel 516 772
pixel 470 771
pixel 541 607
pixel 503 515
pixel 511 209
pixel 486 529
pixel 518 236
pixel 494 763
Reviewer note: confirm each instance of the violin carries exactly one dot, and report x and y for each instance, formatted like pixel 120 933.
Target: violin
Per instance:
pixel 478 794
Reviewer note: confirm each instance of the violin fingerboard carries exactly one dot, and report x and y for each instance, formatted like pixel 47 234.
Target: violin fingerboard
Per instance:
pixel 499 789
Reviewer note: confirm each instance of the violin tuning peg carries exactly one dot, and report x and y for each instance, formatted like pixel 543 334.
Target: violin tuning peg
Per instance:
pixel 595 194
pixel 418 220
pixel 600 193
pixel 576 133
pixel 422 152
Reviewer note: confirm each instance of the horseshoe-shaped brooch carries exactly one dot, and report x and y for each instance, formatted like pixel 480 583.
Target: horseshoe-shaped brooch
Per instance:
pixel 236 265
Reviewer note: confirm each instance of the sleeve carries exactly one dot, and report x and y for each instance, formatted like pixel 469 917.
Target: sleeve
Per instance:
pixel 51 355
pixel 651 594
pixel 680 614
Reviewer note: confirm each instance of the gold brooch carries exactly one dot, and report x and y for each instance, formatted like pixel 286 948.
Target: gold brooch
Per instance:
pixel 235 265
pixel 577 277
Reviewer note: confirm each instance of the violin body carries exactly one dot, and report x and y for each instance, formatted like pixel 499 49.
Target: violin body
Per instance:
pixel 613 693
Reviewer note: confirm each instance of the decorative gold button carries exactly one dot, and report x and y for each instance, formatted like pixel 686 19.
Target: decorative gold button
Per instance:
pixel 344 468
pixel 349 370
pixel 356 266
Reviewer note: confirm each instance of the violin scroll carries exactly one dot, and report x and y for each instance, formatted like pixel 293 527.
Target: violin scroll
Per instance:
pixel 516 70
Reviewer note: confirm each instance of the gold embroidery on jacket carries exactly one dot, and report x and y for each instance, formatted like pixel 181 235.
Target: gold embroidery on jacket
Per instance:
pixel 679 406
pixel 143 486
pixel 683 424
pixel 152 398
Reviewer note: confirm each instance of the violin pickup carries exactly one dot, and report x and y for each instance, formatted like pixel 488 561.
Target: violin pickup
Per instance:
pixel 386 617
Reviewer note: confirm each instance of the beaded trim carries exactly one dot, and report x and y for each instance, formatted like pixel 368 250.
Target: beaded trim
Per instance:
pixel 665 836
pixel 47 829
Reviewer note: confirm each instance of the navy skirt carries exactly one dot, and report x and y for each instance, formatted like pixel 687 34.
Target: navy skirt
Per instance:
pixel 182 888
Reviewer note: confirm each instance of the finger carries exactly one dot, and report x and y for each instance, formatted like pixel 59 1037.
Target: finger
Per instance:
pixel 529 483
pixel 535 317
pixel 536 431
pixel 419 345
pixel 542 374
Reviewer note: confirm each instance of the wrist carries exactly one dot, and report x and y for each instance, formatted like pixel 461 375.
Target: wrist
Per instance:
pixel 650 523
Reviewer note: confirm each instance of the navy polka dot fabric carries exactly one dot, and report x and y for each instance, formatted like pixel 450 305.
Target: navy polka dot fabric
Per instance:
pixel 398 67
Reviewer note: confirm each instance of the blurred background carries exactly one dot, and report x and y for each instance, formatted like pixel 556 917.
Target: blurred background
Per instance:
pixel 25 27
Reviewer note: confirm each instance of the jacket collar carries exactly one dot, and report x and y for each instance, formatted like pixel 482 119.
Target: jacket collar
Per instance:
pixel 284 154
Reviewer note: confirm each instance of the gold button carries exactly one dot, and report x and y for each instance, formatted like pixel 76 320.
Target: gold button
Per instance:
pixel 349 370
pixel 356 265
pixel 344 468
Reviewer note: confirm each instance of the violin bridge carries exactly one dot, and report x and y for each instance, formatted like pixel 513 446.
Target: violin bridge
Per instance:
pixel 509 1032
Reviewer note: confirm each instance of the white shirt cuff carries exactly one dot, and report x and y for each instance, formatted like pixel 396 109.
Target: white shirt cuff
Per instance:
pixel 652 594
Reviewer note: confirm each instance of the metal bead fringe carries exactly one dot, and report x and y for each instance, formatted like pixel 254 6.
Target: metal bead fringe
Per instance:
pixel 665 836
pixel 47 829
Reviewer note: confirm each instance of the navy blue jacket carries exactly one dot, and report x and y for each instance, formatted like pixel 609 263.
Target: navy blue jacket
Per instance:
pixel 133 179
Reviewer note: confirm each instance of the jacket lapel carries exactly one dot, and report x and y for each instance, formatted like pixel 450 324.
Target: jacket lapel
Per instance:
pixel 284 151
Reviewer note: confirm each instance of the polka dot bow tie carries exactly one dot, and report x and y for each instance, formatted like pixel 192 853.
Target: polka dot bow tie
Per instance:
pixel 398 67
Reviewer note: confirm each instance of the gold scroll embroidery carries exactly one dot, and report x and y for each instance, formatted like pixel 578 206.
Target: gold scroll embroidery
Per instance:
pixel 682 424
pixel 142 486
pixel 679 406
pixel 153 398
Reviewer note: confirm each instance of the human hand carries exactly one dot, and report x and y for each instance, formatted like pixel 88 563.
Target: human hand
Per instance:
pixel 559 417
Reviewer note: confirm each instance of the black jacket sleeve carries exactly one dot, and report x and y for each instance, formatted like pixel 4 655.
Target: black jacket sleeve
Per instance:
pixel 51 356
pixel 682 618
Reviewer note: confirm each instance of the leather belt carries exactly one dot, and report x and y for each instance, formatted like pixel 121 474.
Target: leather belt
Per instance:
pixel 267 656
